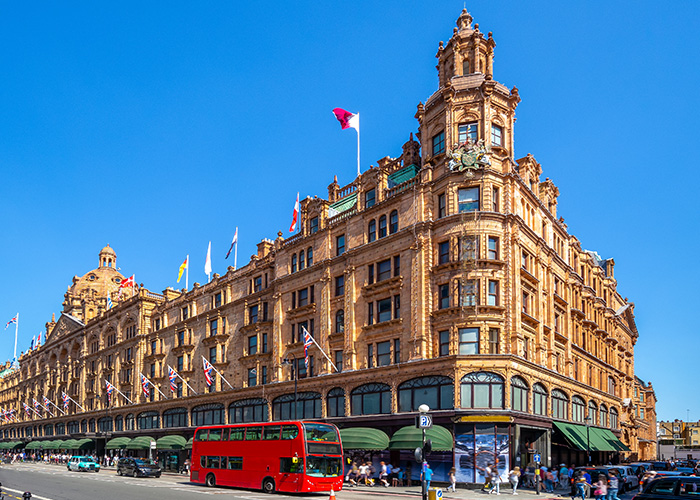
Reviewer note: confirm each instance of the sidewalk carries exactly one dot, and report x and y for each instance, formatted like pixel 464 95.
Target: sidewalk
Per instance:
pixel 461 493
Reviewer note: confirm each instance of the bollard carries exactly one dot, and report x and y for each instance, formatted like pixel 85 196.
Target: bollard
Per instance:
pixel 27 495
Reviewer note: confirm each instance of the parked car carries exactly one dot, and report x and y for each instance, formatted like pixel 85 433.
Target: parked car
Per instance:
pixel 138 467
pixel 640 468
pixel 83 464
pixel 625 473
pixel 659 466
pixel 671 488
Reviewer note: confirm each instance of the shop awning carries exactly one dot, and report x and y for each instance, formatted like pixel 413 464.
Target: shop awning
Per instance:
pixel 410 438
pixel 70 444
pixel 32 445
pixel 188 445
pixel 364 438
pixel 84 444
pixel 117 443
pixel 593 438
pixel 56 444
pixel 3 446
pixel 140 443
pixel 171 443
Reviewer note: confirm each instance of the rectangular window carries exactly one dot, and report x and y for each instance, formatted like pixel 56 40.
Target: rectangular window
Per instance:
pixel 252 377
pixel 444 340
pixel 496 135
pixel 469 341
pixel 263 375
pixel 496 205
pixel 384 270
pixel 153 370
pixel 443 296
pixel 294 300
pixel 212 354
pixel 340 244
pixel 253 314
pixel 303 297
pixel 397 265
pixel 180 363
pixel 179 390
pixel 313 225
pixel 185 313
pixel 257 283
pixel 383 353
pixel 252 345
pixel 217 300
pixel 264 342
pixel 468 199
pixel 383 310
pixel 370 274
pixel 493 248
pixel 526 302
pixel 526 348
pixel 213 327
pixel 397 306
pixel 339 285
pixel 493 340
pixel 493 293
pixel 181 337
pixel 294 263
pixel 442 206
pixel 469 247
pixel 370 313
pixel 468 131
pixel 369 198
pixel 154 346
pixel 338 355
pixel 157 326
pixel 525 261
pixel 370 356
pixel 469 293
pixel 443 252
pixel 128 353
pixel 439 143
pixel 397 351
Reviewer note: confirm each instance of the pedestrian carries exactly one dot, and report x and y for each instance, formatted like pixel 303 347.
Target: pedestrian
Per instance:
pixel 487 477
pixel 353 474
pixel 549 482
pixel 514 477
pixel 495 481
pixel 453 479
pixel 396 476
pixel 384 474
pixel 362 471
pixel 581 487
pixel 427 474
pixel 563 476
pixel 371 473
pixel 601 487
pixel 613 485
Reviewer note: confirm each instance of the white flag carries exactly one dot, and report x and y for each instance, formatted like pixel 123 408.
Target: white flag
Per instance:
pixel 207 264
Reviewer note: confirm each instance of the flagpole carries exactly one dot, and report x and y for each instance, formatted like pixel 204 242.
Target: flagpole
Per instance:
pixel 76 403
pixel 235 254
pixel 16 331
pixel 120 392
pixel 154 386
pixel 187 273
pixel 45 408
pixel 185 381
pixel 218 373
pixel 358 147
pixel 54 404
pixel 322 351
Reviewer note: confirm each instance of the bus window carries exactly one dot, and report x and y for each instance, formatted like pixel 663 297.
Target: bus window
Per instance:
pixel 323 466
pixel 201 435
pixel 235 463
pixel 203 461
pixel 237 434
pixel 215 434
pixel 289 431
pixel 271 432
pixel 321 432
pixel 291 464
pixel 213 462
pixel 253 433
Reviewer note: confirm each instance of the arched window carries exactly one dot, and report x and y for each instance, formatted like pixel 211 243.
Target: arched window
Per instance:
pixel 482 390
pixel 175 417
pixel 148 420
pixel 340 321
pixel 302 260
pixel 613 418
pixel 518 394
pixel 437 392
pixel 592 413
pixel 83 426
pixel 119 423
pixel 560 405
pixel 308 405
pixel 578 408
pixel 48 430
pixel 310 257
pixel 382 226
pixel 603 416
pixel 393 221
pixel 105 424
pixel 248 410
pixel 60 429
pixel 73 427
pixel 129 422
pixel 91 425
pixel 371 231
pixel 370 399
pixel 335 402
pixel 539 399
pixel 294 263
pixel 209 414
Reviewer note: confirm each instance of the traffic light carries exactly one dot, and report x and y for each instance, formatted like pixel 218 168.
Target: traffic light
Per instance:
pixel 427 447
pixel 418 453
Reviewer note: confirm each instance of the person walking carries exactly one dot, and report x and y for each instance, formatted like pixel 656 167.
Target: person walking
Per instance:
pixel 613 485
pixel 601 487
pixel 453 480
pixel 514 478
pixel 549 482
pixel 495 481
pixel 384 474
pixel 427 474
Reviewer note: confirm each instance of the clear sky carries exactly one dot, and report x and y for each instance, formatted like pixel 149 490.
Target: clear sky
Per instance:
pixel 157 128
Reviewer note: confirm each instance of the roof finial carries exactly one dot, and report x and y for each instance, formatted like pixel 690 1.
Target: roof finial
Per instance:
pixel 464 21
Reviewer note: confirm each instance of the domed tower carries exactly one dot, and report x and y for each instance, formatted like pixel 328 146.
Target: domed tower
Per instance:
pixel 469 105
pixel 87 295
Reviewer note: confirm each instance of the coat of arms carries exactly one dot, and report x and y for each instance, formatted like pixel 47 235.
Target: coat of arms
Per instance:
pixel 468 157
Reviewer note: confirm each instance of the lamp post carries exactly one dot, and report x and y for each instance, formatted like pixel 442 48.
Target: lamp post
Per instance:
pixel 424 409
pixel 293 364
pixel 588 439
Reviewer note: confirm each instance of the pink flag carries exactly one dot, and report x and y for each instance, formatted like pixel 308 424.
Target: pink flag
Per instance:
pixel 347 119
pixel 295 216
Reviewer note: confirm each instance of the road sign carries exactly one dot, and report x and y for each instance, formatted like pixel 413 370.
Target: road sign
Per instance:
pixel 153 445
pixel 424 421
pixel 537 458
pixel 438 494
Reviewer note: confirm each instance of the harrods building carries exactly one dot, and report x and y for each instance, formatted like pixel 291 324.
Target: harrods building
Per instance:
pixel 443 276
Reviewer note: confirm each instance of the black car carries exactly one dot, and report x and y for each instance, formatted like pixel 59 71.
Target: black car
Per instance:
pixel 671 488
pixel 138 467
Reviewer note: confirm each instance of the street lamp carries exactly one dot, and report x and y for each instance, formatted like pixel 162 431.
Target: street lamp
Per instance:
pixel 424 409
pixel 292 362
pixel 588 438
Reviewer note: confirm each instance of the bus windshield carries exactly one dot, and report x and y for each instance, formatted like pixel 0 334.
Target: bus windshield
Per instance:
pixel 323 466
pixel 320 432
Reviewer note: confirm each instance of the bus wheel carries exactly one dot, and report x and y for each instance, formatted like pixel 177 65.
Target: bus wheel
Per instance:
pixel 211 480
pixel 268 485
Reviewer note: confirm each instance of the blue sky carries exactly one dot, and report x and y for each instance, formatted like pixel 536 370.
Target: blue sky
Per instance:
pixel 156 128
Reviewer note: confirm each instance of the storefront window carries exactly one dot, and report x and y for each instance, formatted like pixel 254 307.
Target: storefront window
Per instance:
pixel 539 400
pixel 476 446
pixel 436 392
pixel 560 405
pixel 248 410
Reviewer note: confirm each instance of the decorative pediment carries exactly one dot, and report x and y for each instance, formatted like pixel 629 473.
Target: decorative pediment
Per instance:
pixel 65 325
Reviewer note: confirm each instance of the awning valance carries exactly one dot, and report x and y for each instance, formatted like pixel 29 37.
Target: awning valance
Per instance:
pixel 70 444
pixel 591 438
pixel 140 443
pixel 410 438
pixel 188 445
pixel 84 444
pixel 33 445
pixel 364 438
pixel 173 442
pixel 117 443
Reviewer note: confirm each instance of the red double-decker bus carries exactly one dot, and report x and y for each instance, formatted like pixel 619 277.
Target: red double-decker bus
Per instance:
pixel 275 456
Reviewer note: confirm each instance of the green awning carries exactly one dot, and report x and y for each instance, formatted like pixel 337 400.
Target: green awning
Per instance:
pixel 188 445
pixel 117 443
pixel 608 436
pixel 403 175
pixel 410 438
pixel 3 446
pixel 16 445
pixel 140 443
pixel 56 444
pixel 85 444
pixel 345 204
pixel 32 445
pixel 364 438
pixel 70 444
pixel 171 443
pixel 593 438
